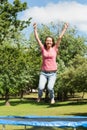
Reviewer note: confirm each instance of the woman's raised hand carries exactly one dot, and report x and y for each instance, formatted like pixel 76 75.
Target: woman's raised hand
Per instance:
pixel 34 25
pixel 66 25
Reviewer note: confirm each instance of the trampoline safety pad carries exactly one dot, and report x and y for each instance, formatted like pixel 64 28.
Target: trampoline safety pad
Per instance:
pixel 45 121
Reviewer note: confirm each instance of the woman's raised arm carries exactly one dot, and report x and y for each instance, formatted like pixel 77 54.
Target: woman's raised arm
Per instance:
pixel 36 35
pixel 61 35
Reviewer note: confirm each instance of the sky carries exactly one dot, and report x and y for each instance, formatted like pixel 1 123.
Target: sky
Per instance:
pixel 73 12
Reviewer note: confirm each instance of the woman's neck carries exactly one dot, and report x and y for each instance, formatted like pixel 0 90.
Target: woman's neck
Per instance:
pixel 48 48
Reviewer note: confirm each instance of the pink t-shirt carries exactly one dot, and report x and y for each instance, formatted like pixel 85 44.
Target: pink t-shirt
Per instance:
pixel 49 59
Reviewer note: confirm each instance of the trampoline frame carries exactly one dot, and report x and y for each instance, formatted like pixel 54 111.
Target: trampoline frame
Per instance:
pixel 45 121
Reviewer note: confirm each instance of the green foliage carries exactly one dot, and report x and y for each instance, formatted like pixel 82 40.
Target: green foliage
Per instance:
pixel 80 77
pixel 9 23
pixel 14 69
pixel 74 78
pixel 71 46
pixel 35 61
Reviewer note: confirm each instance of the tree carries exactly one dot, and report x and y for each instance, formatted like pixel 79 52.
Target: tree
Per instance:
pixel 13 64
pixel 15 70
pixel 9 22
pixel 74 78
pixel 80 79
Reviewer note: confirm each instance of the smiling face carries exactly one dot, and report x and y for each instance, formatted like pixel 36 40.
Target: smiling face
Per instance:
pixel 49 42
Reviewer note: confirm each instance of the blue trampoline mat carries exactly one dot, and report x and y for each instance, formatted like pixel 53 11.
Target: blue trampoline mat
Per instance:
pixel 45 121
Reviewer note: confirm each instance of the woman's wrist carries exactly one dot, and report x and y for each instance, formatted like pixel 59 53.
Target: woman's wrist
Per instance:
pixel 35 29
pixel 65 27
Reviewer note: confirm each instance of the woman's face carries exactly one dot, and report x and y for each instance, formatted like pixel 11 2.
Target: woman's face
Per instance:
pixel 49 42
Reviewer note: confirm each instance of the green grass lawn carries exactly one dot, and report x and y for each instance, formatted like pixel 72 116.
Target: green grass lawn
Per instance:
pixel 29 106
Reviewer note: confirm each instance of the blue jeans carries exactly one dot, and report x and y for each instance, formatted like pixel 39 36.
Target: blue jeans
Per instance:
pixel 48 78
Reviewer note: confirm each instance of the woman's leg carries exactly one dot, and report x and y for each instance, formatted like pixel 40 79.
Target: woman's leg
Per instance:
pixel 41 86
pixel 51 83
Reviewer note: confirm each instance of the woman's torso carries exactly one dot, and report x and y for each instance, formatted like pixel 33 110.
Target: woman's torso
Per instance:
pixel 49 59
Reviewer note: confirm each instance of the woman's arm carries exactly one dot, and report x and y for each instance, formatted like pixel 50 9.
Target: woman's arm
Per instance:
pixel 36 35
pixel 61 35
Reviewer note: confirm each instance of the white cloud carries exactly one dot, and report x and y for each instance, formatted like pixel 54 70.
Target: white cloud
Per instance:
pixel 72 12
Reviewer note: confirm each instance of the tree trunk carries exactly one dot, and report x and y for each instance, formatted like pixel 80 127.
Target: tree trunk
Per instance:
pixel 7 103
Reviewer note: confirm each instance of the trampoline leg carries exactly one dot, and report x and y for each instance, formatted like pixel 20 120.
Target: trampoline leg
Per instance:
pixel 3 127
pixel 25 127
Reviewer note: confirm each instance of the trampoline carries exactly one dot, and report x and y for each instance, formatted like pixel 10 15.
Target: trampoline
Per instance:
pixel 45 121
